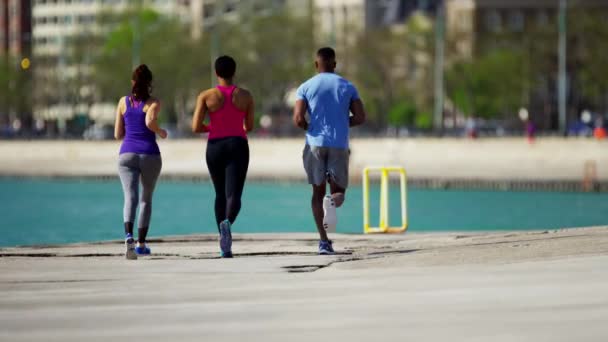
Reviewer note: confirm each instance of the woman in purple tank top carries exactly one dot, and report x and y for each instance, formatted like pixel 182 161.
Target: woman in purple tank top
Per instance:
pixel 139 158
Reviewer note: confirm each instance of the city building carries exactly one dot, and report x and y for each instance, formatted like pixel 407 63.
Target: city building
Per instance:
pixel 468 21
pixel 205 14
pixel 338 19
pixel 15 48
pixel 472 26
pixel 15 28
pixel 55 21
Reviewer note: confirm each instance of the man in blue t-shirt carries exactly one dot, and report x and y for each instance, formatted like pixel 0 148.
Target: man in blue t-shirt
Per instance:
pixel 329 100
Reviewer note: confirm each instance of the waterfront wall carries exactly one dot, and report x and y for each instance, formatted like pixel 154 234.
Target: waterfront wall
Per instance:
pixel 498 163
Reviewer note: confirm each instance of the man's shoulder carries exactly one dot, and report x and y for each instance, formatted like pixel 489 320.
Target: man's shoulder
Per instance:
pixel 313 80
pixel 339 80
pixel 344 80
pixel 307 85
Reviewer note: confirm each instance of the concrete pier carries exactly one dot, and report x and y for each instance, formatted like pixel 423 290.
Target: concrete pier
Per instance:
pixel 523 286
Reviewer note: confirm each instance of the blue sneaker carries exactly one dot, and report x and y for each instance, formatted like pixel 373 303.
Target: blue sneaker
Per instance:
pixel 142 250
pixel 130 244
pixel 326 248
pixel 225 239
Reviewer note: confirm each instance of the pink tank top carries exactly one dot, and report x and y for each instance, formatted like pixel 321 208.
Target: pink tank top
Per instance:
pixel 228 121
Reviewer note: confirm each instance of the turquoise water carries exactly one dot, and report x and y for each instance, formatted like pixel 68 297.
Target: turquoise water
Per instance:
pixel 49 211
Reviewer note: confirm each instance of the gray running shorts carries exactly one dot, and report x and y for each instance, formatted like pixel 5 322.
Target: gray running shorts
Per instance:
pixel 324 163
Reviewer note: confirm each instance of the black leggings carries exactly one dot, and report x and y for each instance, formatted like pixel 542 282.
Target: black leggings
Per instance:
pixel 228 160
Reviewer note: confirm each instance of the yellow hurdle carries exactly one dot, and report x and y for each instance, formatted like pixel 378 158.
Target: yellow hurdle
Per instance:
pixel 384 226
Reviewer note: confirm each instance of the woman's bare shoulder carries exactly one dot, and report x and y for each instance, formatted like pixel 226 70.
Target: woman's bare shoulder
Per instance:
pixel 122 105
pixel 153 101
pixel 244 92
pixel 209 92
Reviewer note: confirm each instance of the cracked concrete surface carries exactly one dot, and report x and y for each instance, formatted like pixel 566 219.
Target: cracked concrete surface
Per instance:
pixel 509 286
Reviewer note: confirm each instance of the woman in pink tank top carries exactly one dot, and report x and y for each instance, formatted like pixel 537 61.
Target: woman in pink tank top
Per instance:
pixel 230 110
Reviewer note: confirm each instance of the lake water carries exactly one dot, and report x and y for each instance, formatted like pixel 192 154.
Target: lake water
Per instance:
pixel 40 211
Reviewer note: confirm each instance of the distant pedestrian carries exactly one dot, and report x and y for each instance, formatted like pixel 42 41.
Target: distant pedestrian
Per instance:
pixel 230 110
pixel 470 127
pixel 530 131
pixel 139 160
pixel 599 132
pixel 328 98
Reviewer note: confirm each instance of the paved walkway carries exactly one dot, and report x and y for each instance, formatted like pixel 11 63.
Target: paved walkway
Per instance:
pixel 533 286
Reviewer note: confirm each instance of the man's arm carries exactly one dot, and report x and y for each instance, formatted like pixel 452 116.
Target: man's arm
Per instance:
pixel 199 115
pixel 358 118
pixel 299 115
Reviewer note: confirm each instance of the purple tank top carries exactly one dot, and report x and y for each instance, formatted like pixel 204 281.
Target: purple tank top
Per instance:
pixel 138 137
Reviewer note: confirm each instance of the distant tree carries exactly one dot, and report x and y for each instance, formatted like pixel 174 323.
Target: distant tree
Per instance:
pixel 274 53
pixel 536 44
pixel 588 39
pixel 15 93
pixel 402 113
pixel 179 64
pixel 6 75
pixel 490 86
pixel 393 65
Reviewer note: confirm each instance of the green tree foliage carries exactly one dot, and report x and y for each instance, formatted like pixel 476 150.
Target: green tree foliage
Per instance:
pixel 274 53
pixel 15 96
pixel 392 66
pixel 179 64
pixel 402 113
pixel 588 41
pixel 536 45
pixel 490 86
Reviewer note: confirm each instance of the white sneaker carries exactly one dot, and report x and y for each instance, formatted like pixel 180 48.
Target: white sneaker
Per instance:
pixel 130 244
pixel 330 219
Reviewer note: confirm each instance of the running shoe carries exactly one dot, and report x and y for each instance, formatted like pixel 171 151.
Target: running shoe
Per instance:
pixel 142 250
pixel 225 239
pixel 130 244
pixel 330 219
pixel 326 248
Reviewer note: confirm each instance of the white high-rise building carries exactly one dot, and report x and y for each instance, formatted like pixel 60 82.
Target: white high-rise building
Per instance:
pixel 338 19
pixel 55 21
pixel 206 13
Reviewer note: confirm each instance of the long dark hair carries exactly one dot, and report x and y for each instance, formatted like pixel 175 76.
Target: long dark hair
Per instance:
pixel 142 83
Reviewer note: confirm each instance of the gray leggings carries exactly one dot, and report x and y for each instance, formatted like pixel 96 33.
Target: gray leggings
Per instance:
pixel 132 167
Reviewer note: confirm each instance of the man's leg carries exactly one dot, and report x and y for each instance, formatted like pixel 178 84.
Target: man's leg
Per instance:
pixel 337 167
pixel 337 174
pixel 318 192
pixel 315 165
pixel 337 193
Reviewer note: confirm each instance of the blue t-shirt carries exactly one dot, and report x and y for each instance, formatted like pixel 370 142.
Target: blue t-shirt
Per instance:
pixel 328 97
